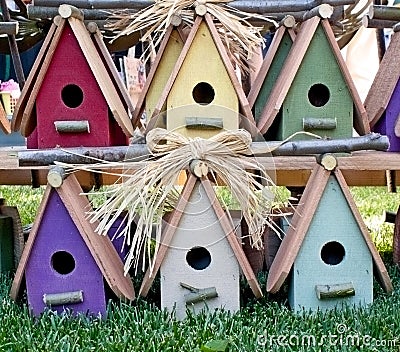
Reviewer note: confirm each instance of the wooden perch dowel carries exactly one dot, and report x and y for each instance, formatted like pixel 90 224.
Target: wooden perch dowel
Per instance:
pixel 140 152
pixel 57 299
pixel 315 123
pixel 335 291
pixel 72 126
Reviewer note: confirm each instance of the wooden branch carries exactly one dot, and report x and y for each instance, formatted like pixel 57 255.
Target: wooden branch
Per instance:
pixel 57 299
pixel 45 12
pixel 381 12
pixel 315 123
pixel 323 11
pixel 72 126
pixel 9 28
pixel 140 152
pixel 56 176
pixel 67 11
pixel 288 21
pixel 335 291
pixel 369 22
pixel 252 6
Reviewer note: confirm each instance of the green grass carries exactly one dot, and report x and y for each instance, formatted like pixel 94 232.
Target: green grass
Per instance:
pixel 264 325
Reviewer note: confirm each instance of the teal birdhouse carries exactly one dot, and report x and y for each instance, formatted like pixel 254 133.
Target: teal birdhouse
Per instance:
pixel 327 252
pixel 314 91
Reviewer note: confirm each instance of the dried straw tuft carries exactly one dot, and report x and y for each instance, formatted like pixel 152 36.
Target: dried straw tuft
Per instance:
pixel 241 39
pixel 148 193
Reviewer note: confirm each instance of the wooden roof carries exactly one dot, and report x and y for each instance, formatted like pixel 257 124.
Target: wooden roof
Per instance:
pixel 291 67
pixel 266 64
pixel 300 224
pixel 385 81
pixel 173 223
pixel 140 106
pixel 101 248
pixel 243 102
pixel 97 56
pixel 4 123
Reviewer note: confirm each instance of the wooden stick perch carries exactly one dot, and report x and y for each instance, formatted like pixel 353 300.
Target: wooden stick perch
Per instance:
pixel 140 152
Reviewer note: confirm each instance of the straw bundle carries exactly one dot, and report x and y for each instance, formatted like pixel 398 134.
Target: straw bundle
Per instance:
pixel 240 38
pixel 151 191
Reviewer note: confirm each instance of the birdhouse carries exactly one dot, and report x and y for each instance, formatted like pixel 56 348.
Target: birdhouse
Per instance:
pixel 314 91
pixel 383 100
pixel 167 55
pixel 200 257
pixel 271 67
pixel 73 95
pixel 66 265
pixel 203 95
pixel 327 251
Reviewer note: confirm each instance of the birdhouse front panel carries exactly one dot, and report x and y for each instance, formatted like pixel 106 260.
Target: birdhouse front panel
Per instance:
pixel 272 74
pixel 61 272
pixel 166 64
pixel 334 266
pixel 389 124
pixel 202 100
pixel 200 269
pixel 71 109
pixel 319 100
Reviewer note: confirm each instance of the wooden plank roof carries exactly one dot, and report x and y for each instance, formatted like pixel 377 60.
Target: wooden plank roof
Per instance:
pixel 384 82
pixel 101 248
pixel 300 224
pixel 291 67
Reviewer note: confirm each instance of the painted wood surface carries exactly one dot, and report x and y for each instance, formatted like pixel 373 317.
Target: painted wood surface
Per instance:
pixel 390 119
pixel 318 90
pixel 75 95
pixel 272 64
pixel 58 248
pixel 309 270
pixel 159 78
pixel 199 229
pixel 211 74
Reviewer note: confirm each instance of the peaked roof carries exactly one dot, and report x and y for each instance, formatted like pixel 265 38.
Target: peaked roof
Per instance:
pixel 301 222
pixel 291 67
pixel 384 82
pixel 101 248
pixel 94 51
pixel 243 103
pixel 140 106
pixel 173 223
pixel 267 62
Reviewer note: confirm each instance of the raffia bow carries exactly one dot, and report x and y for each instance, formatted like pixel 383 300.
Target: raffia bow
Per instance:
pixel 151 191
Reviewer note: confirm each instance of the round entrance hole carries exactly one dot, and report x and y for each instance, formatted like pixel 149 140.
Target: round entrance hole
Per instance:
pixel 318 95
pixel 63 262
pixel 198 258
pixel 72 95
pixel 203 93
pixel 332 253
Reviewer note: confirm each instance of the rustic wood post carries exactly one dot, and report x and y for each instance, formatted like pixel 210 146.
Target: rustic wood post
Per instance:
pixel 396 239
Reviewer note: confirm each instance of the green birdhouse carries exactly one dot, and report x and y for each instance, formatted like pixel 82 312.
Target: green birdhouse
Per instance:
pixel 314 91
pixel 327 252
